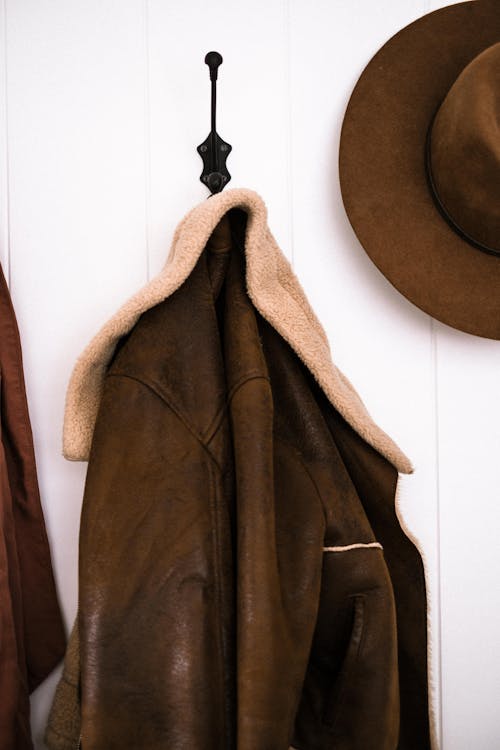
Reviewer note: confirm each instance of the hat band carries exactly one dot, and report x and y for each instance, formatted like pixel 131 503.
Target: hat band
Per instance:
pixel 441 207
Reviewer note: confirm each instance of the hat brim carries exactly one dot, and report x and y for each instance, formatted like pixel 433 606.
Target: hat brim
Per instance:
pixel 383 176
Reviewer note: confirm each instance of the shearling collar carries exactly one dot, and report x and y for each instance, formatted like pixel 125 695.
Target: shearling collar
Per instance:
pixel 274 290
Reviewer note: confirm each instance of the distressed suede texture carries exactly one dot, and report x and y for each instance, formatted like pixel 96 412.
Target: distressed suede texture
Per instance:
pixel 210 614
pixel 416 76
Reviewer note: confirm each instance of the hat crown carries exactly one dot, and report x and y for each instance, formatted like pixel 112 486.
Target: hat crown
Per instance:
pixel 464 152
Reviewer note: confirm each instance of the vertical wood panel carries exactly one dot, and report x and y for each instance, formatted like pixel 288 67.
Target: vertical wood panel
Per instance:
pixel 77 221
pixel 469 450
pixel 252 107
pixel 380 340
pixel 104 105
pixel 468 374
pixel 4 181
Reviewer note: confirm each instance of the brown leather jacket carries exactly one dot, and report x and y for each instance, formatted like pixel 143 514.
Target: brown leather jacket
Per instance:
pixel 32 638
pixel 244 581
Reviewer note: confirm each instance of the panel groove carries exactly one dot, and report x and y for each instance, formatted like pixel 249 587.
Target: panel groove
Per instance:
pixel 289 120
pixel 147 138
pixel 4 150
pixel 438 619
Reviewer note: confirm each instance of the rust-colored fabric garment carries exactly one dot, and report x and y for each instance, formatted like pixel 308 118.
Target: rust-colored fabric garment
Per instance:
pixel 32 638
pixel 244 581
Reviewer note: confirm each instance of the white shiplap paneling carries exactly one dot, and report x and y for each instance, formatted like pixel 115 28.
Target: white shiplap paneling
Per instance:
pixel 4 161
pixel 105 103
pixel 76 125
pixel 468 377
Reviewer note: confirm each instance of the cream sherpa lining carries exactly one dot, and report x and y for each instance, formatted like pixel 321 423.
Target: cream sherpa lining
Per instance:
pixel 273 289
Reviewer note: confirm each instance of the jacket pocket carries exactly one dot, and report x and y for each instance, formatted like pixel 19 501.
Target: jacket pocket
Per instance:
pixel 335 694
pixel 350 694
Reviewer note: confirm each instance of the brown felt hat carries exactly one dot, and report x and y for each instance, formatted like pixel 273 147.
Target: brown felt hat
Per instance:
pixel 420 164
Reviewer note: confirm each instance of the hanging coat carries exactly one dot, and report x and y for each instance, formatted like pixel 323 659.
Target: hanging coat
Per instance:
pixel 32 638
pixel 244 580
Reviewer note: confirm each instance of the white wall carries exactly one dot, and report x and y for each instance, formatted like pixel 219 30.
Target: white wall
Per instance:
pixel 102 105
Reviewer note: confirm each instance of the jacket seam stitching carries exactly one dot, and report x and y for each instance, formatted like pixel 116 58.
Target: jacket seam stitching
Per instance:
pixel 217 565
pixel 179 414
pixel 218 420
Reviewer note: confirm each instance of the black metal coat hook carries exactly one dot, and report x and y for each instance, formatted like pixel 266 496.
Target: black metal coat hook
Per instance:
pixel 214 151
